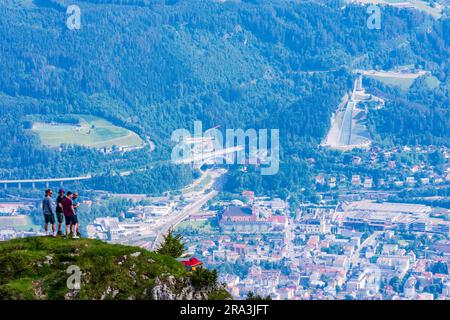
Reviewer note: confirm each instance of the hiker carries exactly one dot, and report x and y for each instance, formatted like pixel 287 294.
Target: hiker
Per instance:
pixel 47 210
pixel 59 210
pixel 76 205
pixel 69 215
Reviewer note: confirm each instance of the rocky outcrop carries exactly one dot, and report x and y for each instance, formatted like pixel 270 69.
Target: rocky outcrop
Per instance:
pixel 171 288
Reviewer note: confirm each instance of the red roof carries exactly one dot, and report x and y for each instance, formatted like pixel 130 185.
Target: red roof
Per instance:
pixel 192 262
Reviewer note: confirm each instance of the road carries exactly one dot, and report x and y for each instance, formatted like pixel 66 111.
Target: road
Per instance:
pixel 289 236
pixel 192 207
pixel 371 239
pixel 183 214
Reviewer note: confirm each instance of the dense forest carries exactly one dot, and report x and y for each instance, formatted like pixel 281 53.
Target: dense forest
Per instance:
pixel 419 116
pixel 156 66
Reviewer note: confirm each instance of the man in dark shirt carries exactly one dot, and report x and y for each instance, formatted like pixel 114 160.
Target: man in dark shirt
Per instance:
pixel 70 216
pixel 59 210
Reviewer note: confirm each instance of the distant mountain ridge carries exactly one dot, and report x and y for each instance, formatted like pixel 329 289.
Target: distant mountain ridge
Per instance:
pixel 154 69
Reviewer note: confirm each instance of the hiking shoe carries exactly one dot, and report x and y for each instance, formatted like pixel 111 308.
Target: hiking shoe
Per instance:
pixel 75 237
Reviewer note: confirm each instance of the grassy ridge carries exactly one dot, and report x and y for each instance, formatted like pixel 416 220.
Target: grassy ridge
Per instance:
pixel 36 268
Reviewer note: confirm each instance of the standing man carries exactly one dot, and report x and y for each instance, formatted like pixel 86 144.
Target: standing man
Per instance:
pixel 76 205
pixel 59 210
pixel 47 210
pixel 69 215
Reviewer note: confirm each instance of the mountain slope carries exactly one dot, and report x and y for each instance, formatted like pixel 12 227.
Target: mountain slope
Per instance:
pixel 36 268
pixel 154 68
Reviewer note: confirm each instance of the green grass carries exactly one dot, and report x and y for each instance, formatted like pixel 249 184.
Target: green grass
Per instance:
pixel 436 12
pixel 432 82
pixel 20 289
pixel 29 264
pixel 91 132
pixel 403 83
pixel 422 5
pixel 406 82
pixel 106 266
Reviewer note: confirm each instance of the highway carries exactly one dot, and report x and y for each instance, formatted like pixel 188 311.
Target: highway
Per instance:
pixel 183 214
pixel 190 208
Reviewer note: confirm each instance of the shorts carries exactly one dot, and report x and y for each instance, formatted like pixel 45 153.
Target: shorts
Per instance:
pixel 60 217
pixel 49 218
pixel 71 220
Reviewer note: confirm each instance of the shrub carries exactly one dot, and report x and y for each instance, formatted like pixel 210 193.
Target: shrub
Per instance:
pixel 172 246
pixel 204 278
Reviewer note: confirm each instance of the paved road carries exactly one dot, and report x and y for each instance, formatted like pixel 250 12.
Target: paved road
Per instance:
pixel 189 209
pixel 355 256
pixel 192 207
pixel 289 236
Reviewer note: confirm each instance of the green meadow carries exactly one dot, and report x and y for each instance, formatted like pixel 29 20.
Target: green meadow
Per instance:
pixel 91 132
pixel 403 83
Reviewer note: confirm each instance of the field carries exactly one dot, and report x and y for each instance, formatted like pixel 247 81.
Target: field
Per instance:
pixel 402 80
pixel 20 222
pixel 435 12
pixel 432 82
pixel 91 132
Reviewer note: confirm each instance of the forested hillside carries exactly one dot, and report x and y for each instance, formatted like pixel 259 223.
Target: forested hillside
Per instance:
pixel 419 116
pixel 155 66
